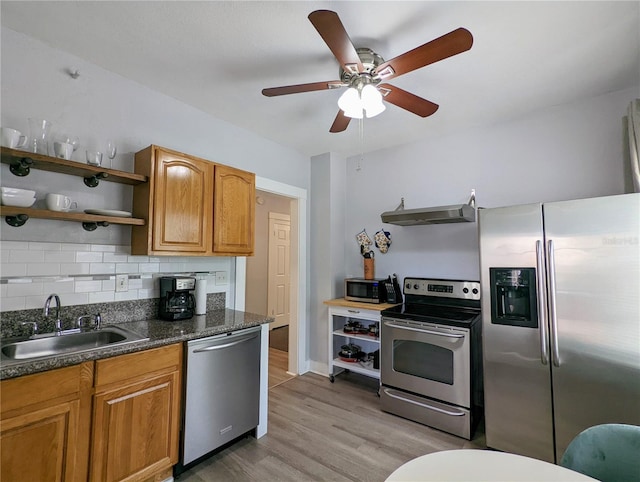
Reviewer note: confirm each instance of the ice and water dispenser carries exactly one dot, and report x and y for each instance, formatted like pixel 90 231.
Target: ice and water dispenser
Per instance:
pixel 513 297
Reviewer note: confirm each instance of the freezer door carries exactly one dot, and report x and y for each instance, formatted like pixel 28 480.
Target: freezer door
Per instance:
pixel 595 266
pixel 517 381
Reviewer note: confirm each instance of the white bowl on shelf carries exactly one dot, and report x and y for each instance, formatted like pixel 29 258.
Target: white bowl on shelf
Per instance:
pixel 14 191
pixel 17 200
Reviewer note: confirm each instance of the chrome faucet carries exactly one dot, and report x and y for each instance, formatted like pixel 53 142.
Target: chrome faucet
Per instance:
pixel 47 305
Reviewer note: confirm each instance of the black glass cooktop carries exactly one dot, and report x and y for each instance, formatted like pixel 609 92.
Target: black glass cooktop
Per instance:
pixel 452 315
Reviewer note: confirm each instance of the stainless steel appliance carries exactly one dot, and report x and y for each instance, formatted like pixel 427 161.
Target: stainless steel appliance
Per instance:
pixel 457 213
pixel 222 392
pixel 561 321
pixel 431 365
pixel 176 298
pixel 365 290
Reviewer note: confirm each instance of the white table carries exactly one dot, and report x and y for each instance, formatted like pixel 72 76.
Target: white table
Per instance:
pixel 481 465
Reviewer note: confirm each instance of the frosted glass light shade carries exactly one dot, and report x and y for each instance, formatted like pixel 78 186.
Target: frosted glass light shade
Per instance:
pixel 375 109
pixel 350 100
pixel 354 113
pixel 372 101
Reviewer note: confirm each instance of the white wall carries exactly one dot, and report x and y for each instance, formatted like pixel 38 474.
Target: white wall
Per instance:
pixel 97 106
pixel 566 152
pixel 328 175
pixel 101 105
pixel 44 255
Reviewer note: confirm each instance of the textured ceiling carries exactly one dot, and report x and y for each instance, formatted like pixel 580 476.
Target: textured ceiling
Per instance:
pixel 218 56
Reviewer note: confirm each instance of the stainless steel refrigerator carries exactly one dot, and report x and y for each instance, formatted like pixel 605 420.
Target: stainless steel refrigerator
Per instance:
pixel 560 320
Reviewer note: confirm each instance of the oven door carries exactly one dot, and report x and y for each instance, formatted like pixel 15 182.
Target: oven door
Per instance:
pixel 427 359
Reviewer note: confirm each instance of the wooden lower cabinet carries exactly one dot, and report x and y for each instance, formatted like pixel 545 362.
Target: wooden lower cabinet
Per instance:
pixel 136 415
pixel 45 425
pixel 115 419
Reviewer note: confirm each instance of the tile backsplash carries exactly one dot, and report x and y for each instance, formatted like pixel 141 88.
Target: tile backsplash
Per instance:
pixel 86 273
pixel 20 322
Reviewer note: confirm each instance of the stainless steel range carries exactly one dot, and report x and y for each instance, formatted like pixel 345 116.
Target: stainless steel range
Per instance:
pixel 431 360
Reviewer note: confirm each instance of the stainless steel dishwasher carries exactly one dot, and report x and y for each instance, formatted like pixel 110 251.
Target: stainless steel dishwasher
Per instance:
pixel 222 394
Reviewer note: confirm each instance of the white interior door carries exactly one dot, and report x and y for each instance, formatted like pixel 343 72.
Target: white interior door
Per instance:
pixel 279 269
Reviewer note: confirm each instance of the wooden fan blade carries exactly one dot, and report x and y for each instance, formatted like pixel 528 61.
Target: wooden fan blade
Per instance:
pixel 330 28
pixel 453 43
pixel 340 123
pixel 296 89
pixel 407 100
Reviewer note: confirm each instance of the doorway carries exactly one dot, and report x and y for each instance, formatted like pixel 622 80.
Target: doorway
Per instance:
pixel 270 281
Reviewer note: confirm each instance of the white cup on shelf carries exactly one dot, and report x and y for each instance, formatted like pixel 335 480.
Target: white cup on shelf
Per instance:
pixel 13 138
pixel 60 202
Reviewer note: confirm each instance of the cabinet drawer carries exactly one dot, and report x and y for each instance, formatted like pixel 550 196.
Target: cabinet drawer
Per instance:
pixel 44 387
pixel 141 364
pixel 355 313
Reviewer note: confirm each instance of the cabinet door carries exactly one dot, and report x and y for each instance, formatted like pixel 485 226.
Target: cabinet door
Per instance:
pixel 40 445
pixel 182 204
pixel 136 429
pixel 234 211
pixel 44 429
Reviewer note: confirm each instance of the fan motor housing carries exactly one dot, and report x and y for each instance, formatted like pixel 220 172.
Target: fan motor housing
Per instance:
pixel 370 60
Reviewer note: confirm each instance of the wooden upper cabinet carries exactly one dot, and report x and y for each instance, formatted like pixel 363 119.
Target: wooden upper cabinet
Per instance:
pixel 177 202
pixel 234 211
pixel 194 207
pixel 182 204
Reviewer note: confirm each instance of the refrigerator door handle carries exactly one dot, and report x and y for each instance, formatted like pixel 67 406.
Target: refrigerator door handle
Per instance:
pixel 551 273
pixel 544 343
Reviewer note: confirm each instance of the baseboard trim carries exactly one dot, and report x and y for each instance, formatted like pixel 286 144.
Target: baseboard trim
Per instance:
pixel 319 368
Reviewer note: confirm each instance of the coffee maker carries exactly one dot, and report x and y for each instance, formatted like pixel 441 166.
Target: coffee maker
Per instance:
pixel 176 298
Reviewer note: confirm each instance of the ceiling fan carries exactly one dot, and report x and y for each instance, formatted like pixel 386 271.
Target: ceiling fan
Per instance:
pixel 366 73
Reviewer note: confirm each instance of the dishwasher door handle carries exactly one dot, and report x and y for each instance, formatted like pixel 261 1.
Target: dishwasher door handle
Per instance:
pixel 224 345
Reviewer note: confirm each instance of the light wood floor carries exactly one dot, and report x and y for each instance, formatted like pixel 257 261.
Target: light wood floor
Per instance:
pixel 278 364
pixel 322 431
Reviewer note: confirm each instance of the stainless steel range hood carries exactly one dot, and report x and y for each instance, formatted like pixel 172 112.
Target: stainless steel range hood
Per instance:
pixel 456 213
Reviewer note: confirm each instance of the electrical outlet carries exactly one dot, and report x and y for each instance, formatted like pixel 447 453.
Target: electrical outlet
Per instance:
pixel 122 282
pixel 221 277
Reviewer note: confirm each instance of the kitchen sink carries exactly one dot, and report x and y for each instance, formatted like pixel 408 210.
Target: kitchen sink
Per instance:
pixel 42 347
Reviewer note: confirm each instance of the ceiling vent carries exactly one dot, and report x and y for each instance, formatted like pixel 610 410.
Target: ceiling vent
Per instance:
pixel 457 213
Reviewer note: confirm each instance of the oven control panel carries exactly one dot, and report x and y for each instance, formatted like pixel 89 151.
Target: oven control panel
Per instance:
pixel 469 290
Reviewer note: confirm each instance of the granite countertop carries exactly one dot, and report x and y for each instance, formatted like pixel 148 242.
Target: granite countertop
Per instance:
pixel 159 332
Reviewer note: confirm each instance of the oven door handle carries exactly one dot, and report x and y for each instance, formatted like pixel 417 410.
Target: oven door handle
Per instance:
pixel 423 405
pixel 428 332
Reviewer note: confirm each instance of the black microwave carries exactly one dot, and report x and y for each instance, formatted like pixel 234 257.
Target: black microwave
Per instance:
pixel 365 290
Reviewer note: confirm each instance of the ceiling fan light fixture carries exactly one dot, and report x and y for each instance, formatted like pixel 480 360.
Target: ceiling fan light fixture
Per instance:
pixel 349 102
pixel 375 109
pixel 354 113
pixel 362 67
pixel 371 99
